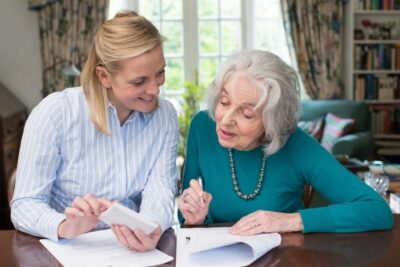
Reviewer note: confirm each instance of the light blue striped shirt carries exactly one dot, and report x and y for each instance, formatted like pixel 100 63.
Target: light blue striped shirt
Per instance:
pixel 63 155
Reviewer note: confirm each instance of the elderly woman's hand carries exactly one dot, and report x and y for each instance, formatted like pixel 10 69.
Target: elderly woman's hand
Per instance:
pixel 263 221
pixel 194 203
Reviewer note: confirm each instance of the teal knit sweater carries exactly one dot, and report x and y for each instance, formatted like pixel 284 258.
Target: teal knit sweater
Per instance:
pixel 355 206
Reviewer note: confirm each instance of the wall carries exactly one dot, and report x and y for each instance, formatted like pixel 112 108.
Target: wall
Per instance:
pixel 20 59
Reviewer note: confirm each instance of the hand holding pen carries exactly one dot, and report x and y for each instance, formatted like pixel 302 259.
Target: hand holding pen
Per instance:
pixel 202 191
pixel 194 202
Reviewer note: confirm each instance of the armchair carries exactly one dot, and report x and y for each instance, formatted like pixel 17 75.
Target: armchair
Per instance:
pixel 357 144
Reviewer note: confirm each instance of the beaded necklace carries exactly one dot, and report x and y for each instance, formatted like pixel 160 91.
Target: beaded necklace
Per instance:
pixel 235 181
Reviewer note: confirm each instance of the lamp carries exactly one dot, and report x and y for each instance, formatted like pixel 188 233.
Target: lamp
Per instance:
pixel 70 72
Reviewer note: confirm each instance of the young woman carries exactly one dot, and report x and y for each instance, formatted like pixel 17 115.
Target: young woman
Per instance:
pixel 112 139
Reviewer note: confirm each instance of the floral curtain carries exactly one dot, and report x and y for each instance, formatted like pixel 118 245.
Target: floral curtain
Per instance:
pixel 66 29
pixel 315 27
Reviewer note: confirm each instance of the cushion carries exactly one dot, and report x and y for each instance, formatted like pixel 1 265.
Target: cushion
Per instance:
pixel 335 127
pixel 313 128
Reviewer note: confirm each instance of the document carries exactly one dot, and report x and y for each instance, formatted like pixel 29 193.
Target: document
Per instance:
pixel 216 247
pixel 101 248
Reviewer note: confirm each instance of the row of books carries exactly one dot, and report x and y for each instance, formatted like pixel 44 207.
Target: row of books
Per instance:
pixel 377 86
pixel 377 57
pixel 388 151
pixel 377 4
pixel 385 119
pixel 387 147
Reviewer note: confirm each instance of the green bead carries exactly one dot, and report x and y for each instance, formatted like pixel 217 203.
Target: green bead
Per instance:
pixel 235 182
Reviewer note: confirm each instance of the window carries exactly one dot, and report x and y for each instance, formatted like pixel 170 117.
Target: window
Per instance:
pixel 268 25
pixel 200 34
pixel 219 34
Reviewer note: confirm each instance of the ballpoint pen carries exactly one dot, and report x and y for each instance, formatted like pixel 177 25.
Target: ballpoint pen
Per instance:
pixel 201 187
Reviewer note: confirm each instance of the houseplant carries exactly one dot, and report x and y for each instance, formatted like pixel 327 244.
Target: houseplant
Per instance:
pixel 192 98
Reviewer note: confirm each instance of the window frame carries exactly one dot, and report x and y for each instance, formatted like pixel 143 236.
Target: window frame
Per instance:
pixel 191 53
pixel 190 37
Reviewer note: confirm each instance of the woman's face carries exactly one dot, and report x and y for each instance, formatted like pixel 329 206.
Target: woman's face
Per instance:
pixel 136 85
pixel 239 125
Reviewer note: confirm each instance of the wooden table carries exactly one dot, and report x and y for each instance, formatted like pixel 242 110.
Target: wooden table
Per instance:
pixel 378 248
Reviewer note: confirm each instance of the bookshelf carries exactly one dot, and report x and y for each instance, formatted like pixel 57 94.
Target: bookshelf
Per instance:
pixel 372 56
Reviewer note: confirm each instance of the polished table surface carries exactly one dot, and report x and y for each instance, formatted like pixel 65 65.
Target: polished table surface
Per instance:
pixel 377 248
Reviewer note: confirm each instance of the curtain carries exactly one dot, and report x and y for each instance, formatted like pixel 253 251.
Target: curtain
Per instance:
pixel 66 29
pixel 315 28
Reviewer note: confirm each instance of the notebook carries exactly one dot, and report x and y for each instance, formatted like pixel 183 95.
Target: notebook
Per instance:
pixel 216 247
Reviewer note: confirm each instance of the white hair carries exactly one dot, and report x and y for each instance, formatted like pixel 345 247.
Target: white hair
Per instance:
pixel 279 92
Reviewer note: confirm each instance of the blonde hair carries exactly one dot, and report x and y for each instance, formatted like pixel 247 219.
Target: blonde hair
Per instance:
pixel 126 35
pixel 279 88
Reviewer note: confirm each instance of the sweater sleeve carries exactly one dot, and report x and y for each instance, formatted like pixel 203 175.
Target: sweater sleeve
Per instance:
pixel 354 207
pixel 191 168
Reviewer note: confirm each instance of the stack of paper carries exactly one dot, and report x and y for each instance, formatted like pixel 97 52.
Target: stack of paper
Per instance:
pixel 216 247
pixel 101 248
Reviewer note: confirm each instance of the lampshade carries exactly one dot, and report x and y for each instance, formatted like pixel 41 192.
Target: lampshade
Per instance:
pixel 71 71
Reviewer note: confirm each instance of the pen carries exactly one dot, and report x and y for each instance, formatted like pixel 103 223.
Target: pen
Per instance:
pixel 201 187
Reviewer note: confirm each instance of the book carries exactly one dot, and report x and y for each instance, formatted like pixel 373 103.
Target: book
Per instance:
pixel 386 87
pixel 119 214
pixel 387 143
pixel 394 202
pixel 214 246
pixel 393 151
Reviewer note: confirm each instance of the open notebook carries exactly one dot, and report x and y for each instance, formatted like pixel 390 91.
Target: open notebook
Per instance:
pixel 216 247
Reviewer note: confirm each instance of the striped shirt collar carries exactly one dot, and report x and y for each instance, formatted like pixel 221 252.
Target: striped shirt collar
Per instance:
pixel 144 116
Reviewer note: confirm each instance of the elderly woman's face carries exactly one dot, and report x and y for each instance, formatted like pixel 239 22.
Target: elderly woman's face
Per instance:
pixel 239 125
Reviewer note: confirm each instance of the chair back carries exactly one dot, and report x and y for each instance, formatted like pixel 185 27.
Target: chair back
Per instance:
pixel 11 186
pixel 308 195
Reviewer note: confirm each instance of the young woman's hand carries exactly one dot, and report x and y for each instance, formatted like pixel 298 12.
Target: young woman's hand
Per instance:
pixel 82 216
pixel 194 203
pixel 137 240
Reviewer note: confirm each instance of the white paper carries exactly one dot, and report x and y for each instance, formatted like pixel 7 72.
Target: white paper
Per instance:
pixel 101 248
pixel 216 247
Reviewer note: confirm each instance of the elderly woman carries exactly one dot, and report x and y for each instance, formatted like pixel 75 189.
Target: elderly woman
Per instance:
pixel 254 161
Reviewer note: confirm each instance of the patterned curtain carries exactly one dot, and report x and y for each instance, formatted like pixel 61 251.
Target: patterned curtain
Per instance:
pixel 66 29
pixel 315 27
